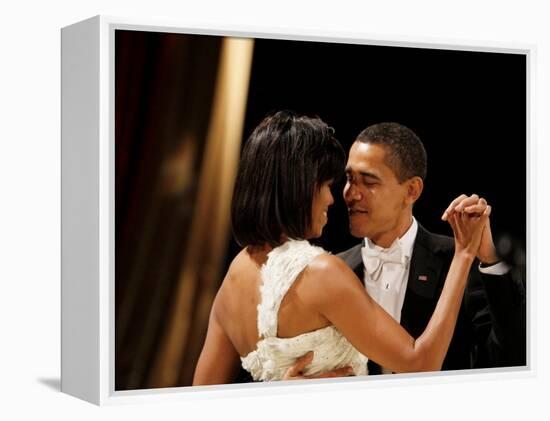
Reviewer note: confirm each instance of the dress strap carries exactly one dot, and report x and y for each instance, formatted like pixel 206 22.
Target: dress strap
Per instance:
pixel 284 264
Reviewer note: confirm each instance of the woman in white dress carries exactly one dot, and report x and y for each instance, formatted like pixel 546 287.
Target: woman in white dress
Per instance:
pixel 283 297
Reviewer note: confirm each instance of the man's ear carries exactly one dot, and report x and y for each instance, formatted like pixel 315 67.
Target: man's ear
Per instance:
pixel 415 185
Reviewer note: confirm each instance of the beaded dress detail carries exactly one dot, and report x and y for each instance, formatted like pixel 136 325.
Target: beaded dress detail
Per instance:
pixel 273 356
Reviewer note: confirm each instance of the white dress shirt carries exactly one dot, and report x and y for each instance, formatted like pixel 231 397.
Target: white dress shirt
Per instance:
pixel 390 287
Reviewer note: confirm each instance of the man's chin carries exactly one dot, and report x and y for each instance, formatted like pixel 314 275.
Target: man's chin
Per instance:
pixel 357 225
pixel 357 232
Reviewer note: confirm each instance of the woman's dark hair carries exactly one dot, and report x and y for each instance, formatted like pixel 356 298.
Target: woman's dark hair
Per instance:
pixel 284 160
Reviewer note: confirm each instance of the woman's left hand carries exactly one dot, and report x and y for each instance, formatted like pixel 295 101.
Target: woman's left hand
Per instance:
pixel 475 205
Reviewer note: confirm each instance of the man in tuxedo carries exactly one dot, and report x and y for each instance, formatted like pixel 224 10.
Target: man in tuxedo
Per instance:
pixel 403 266
pixel 385 175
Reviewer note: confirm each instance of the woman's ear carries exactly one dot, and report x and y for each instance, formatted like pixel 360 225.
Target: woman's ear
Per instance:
pixel 415 185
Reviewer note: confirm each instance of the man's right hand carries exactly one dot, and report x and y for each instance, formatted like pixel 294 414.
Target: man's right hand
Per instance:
pixel 296 371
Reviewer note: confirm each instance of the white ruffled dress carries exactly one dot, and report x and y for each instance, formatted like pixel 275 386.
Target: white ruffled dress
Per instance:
pixel 273 356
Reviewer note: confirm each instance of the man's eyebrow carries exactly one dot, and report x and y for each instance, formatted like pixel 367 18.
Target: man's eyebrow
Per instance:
pixel 364 174
pixel 368 174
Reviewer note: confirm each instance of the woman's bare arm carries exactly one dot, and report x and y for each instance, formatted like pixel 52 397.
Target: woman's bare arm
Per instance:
pixel 370 329
pixel 219 361
pixel 339 296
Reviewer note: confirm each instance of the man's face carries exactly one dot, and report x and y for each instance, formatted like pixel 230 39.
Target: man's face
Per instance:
pixel 376 200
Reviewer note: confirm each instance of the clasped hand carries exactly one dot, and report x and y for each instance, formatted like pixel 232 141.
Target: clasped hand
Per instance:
pixel 464 214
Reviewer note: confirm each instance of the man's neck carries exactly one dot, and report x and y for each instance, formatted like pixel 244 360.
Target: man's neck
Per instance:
pixel 386 240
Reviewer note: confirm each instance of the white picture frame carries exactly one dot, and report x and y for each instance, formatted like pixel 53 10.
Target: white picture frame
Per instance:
pixel 88 213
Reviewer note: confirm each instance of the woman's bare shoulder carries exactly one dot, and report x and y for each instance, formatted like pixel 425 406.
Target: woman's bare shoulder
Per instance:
pixel 328 267
pixel 328 275
pixel 240 279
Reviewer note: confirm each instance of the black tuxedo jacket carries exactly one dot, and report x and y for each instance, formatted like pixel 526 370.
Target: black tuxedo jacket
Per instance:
pixel 490 330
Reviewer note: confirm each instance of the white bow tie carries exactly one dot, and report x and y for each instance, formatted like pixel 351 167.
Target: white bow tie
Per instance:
pixel 374 259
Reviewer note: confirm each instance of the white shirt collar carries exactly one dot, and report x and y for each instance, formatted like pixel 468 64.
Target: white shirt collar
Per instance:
pixel 406 241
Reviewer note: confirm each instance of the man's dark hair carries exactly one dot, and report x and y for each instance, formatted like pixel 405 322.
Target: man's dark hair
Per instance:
pixel 284 160
pixel 405 153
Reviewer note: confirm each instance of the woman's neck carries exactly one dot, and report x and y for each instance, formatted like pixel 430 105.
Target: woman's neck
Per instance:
pixel 258 253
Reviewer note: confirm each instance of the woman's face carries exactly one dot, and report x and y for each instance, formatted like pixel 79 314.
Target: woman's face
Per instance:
pixel 322 199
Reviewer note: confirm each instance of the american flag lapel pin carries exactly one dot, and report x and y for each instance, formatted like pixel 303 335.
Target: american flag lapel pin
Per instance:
pixel 423 278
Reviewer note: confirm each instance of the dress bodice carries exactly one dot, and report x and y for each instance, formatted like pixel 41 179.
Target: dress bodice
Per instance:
pixel 273 356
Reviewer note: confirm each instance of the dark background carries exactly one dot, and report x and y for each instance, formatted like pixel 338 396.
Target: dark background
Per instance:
pixel 468 108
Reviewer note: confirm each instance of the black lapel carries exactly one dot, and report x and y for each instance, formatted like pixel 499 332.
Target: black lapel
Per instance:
pixel 424 283
pixel 426 277
pixel 354 260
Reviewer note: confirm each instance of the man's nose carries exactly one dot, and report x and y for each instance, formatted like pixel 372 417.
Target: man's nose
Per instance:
pixel 351 193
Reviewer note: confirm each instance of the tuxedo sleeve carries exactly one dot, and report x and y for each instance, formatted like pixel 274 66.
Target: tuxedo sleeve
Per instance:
pixel 496 305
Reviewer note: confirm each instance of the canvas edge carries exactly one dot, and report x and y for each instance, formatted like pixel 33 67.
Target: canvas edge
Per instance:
pixel 80 336
pixel 105 178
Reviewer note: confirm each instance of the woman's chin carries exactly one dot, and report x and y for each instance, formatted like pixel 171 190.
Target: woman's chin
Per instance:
pixel 319 233
pixel 315 234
